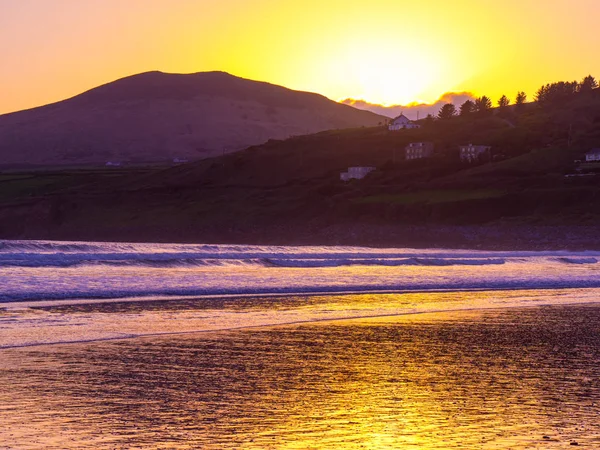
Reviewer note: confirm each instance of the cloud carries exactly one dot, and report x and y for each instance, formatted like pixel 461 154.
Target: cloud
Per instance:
pixel 413 110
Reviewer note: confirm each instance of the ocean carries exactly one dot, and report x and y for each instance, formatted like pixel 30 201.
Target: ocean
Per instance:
pixel 118 345
pixel 42 270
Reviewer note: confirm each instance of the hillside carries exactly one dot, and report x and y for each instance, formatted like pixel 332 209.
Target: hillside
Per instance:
pixel 526 143
pixel 530 194
pixel 157 117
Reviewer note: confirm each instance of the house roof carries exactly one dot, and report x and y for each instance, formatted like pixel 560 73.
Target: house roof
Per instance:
pixel 474 145
pixel 401 119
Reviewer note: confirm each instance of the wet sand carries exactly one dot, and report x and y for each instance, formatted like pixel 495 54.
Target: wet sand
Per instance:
pixel 501 378
pixel 76 321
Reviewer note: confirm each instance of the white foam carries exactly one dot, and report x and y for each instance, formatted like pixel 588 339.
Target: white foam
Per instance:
pixel 45 270
pixel 29 327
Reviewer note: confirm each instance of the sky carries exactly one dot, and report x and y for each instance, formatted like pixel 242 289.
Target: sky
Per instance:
pixel 388 52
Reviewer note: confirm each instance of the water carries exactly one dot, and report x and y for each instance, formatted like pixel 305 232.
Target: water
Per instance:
pixel 38 270
pixel 106 345
pixel 509 379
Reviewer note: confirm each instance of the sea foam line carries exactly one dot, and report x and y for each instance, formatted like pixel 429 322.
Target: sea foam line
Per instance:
pixel 458 286
pixel 130 336
pixel 524 302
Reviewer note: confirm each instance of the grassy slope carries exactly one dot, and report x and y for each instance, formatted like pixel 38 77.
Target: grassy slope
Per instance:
pixel 284 189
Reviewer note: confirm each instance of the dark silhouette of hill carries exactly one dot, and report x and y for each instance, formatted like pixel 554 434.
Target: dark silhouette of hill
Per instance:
pixel 155 116
pixel 525 142
pixel 531 193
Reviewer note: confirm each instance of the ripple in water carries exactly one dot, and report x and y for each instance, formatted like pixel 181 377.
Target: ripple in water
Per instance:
pixel 514 378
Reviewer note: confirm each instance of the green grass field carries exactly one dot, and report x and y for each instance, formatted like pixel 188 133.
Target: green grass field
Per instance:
pixel 432 197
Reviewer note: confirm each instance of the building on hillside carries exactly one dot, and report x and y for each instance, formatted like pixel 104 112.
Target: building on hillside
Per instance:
pixel 472 152
pixel 402 123
pixel 113 164
pixel 418 150
pixel 593 155
pixel 356 173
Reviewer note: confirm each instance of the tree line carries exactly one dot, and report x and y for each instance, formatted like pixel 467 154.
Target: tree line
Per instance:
pixel 557 92
pixel 548 94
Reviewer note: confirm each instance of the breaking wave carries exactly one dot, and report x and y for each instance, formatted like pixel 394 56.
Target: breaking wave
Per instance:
pixel 113 292
pixel 73 254
pixel 60 270
pixel 173 261
pixel 578 260
pixel 387 262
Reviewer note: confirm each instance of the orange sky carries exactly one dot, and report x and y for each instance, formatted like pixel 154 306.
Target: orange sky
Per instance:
pixel 383 51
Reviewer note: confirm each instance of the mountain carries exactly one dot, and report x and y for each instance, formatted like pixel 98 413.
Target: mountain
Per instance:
pixel 156 116
pixel 532 192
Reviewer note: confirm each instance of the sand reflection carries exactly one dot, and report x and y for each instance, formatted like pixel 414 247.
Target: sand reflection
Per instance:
pixel 520 378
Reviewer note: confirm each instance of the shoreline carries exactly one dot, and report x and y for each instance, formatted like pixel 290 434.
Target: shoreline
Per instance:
pixel 26 304
pixel 480 309
pixel 90 323
pixel 511 378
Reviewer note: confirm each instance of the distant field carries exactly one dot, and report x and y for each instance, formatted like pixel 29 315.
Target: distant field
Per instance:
pixel 437 196
pixel 15 185
pixel 590 165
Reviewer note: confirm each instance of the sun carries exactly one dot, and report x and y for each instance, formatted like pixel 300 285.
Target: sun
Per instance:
pixel 390 72
pixel 389 76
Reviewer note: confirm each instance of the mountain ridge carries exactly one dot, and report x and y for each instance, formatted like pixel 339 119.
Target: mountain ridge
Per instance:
pixel 534 191
pixel 156 116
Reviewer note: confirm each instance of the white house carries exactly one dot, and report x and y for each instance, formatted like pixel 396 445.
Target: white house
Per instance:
pixel 357 173
pixel 593 155
pixel 473 152
pixel 402 123
pixel 418 150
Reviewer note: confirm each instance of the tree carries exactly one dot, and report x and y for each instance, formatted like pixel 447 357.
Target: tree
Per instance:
pixel 521 98
pixel 503 102
pixel 429 120
pixel 447 112
pixel 556 93
pixel 467 108
pixel 543 94
pixel 587 84
pixel 483 105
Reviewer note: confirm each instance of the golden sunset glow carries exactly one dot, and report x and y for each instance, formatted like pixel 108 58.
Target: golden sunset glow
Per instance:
pixel 384 51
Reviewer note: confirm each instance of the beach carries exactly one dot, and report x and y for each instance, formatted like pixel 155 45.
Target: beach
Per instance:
pixel 522 377
pixel 122 345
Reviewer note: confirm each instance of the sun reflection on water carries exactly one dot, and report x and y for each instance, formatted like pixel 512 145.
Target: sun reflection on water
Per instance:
pixel 497 379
